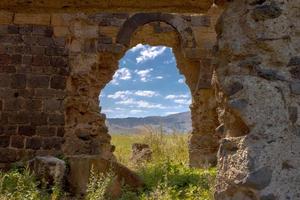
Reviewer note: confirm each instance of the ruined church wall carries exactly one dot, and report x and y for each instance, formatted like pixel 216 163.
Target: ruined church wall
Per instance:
pixel 257 69
pixel 54 65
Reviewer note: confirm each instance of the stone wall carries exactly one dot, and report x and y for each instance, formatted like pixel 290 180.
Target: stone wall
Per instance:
pixel 33 71
pixel 65 61
pixel 53 66
pixel 258 94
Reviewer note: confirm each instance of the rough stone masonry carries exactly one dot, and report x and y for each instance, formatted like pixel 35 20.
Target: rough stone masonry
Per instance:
pixel 241 60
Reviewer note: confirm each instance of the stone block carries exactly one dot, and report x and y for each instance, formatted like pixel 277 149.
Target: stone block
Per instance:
pixel 16 59
pixel 27 130
pixel 12 29
pixel 30 18
pixel 295 88
pixel 45 41
pixel 58 82
pixel 6 17
pixel 19 118
pixel 33 105
pixel 38 118
pixel 200 20
pixel 38 81
pixel 37 50
pixel 53 143
pixel 29 40
pixel 48 169
pixel 5 59
pixel 56 119
pixel 53 105
pixel 8 155
pixel 61 31
pixel 46 31
pixel 18 81
pixel 27 59
pixel 49 93
pixel 17 141
pixel 4 141
pixel 13 104
pixel 41 60
pixel 110 31
pixel 11 39
pixel 56 51
pixel 58 19
pixel 59 61
pixel 25 29
pixel 5 80
pixel 46 131
pixel 34 143
pixel 80 167
pixel 195 53
pixel 9 130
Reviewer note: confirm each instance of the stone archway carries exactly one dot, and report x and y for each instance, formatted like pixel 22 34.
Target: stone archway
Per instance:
pixel 94 66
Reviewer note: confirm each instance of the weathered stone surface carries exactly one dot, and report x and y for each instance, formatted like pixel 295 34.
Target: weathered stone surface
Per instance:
pixel 258 180
pixel 264 12
pixel 141 153
pixel 252 51
pixel 6 17
pixel 40 19
pixel 48 169
pixel 116 5
pixel 81 165
pixel 295 88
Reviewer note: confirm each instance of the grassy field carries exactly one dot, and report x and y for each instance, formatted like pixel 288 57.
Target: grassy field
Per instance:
pixel 167 176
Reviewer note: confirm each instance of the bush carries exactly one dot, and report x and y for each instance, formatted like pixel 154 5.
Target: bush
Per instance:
pixel 99 185
pixel 22 185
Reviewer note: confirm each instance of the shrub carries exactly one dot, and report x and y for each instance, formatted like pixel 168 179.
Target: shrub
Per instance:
pixel 21 185
pixel 99 185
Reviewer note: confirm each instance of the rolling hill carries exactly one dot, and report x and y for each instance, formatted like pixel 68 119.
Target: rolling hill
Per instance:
pixel 175 123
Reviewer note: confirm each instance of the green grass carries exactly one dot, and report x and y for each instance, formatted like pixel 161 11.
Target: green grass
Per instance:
pixel 167 176
pixel 20 184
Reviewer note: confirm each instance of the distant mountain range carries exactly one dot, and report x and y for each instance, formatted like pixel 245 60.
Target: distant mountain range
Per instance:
pixel 178 123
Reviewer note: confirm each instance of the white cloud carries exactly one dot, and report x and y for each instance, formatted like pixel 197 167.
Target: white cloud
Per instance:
pixel 120 95
pixel 125 94
pixel 135 111
pixel 159 77
pixel 140 104
pixel 171 113
pixel 183 101
pixel 149 53
pixel 146 93
pixel 144 74
pixel 181 80
pixel 121 74
pixel 182 96
pixel 137 47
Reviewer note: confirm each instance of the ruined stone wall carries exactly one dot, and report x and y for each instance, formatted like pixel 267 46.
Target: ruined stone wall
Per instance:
pixel 258 83
pixel 33 70
pixel 66 59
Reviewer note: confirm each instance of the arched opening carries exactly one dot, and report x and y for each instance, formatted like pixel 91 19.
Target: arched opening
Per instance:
pixel 148 116
pixel 147 95
pixel 86 132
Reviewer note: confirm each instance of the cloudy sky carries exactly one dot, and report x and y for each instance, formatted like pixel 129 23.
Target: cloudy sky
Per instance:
pixel 147 83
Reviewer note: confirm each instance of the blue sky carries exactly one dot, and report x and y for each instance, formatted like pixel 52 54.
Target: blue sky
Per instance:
pixel 147 83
